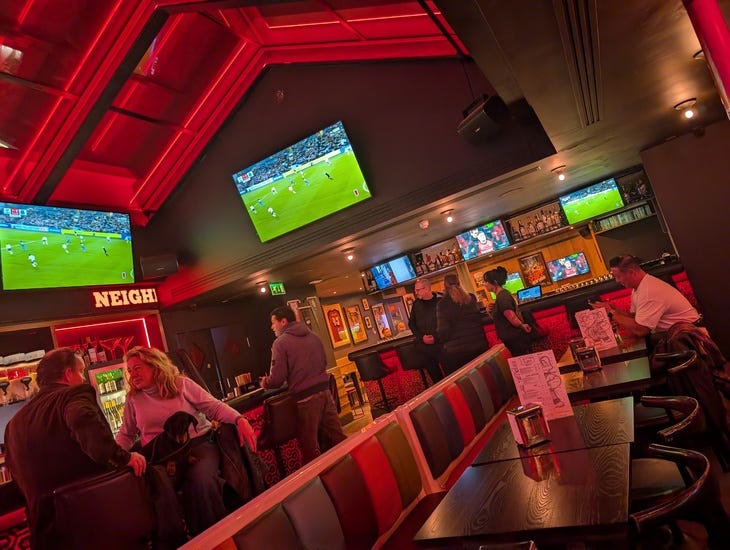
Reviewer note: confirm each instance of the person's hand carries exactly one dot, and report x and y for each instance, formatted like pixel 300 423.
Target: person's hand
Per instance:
pixel 526 327
pixel 245 433
pixel 261 382
pixel 600 305
pixel 138 463
pixel 490 308
pixel 428 339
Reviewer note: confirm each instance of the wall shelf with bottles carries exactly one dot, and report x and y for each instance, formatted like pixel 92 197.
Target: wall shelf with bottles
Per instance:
pixel 630 214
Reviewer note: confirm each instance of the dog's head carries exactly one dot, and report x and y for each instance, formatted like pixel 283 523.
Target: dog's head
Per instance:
pixel 176 426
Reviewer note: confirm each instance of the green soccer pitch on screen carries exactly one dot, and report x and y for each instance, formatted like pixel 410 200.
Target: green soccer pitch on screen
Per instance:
pixel 53 247
pixel 300 184
pixel 592 201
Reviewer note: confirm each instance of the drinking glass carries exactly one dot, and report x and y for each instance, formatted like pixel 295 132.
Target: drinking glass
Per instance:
pixel 588 359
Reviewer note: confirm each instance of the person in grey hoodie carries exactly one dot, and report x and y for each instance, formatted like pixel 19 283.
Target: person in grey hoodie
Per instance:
pixel 298 358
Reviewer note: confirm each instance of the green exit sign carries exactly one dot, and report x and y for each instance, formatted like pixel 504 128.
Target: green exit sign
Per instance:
pixel 277 289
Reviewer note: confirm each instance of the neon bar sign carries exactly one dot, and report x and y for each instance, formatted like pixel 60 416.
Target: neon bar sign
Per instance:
pixel 116 298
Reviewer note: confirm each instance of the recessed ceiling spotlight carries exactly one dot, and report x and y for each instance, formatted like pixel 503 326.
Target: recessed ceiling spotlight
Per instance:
pixel 423 224
pixel 559 171
pixel 316 281
pixel 449 215
pixel 687 107
pixel 349 254
pixel 262 286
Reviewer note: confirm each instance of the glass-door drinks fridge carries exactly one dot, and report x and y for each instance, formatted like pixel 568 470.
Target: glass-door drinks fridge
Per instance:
pixel 111 389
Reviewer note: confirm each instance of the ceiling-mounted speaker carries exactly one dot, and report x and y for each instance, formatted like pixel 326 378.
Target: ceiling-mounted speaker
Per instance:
pixel 483 119
pixel 158 267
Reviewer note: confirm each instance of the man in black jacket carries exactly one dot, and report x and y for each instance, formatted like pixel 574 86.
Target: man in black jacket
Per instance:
pixel 58 437
pixel 423 325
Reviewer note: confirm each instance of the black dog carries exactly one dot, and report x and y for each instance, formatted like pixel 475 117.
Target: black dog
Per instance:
pixel 172 446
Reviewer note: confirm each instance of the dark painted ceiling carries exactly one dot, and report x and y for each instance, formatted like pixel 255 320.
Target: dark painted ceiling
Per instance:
pixel 108 103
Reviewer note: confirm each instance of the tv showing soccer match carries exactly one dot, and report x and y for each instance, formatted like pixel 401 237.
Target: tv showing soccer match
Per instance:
pixel 481 240
pixel 589 202
pixel 568 266
pixel 53 247
pixel 302 183
pixel 512 285
pixel 393 272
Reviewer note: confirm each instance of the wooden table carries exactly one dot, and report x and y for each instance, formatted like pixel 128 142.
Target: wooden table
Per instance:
pixel 554 498
pixel 628 350
pixel 593 425
pixel 613 380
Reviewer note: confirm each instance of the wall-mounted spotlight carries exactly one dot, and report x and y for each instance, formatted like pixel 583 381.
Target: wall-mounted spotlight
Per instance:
pixel 423 224
pixel 687 108
pixel 448 215
pixel 559 171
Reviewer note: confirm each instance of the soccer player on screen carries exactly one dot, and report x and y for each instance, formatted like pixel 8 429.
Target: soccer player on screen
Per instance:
pixel 271 211
pixel 31 259
pixel 65 248
pixel 9 248
pixel 329 177
pixel 44 240
pixel 22 245
pixel 291 188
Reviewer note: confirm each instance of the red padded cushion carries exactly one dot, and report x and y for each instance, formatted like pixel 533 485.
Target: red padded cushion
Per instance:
pixel 462 412
pixel 486 372
pixel 390 360
pixel 380 480
pixel 349 493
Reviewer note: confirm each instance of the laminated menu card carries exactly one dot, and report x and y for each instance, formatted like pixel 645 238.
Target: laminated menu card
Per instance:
pixel 537 380
pixel 595 325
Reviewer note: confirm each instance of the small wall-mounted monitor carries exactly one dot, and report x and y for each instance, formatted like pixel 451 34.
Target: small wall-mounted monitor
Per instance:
pixel 302 183
pixel 393 272
pixel 568 266
pixel 481 240
pixel 52 247
pixel 592 201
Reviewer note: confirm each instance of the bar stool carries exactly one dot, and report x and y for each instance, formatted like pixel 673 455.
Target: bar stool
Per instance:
pixel 411 359
pixel 280 426
pixel 371 367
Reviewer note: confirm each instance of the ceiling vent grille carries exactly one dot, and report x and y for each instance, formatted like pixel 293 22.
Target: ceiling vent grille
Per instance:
pixel 578 24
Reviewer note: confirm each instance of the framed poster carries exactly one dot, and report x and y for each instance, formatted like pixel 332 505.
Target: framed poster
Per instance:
pixel 365 304
pixel 381 321
pixel 398 317
pixel 336 325
pixel 534 270
pixel 408 300
pixel 368 323
pixel 355 322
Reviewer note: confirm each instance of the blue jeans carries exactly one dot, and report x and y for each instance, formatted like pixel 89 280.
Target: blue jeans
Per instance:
pixel 318 426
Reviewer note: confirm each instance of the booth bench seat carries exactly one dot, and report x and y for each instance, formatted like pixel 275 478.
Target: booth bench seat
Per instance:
pixel 376 489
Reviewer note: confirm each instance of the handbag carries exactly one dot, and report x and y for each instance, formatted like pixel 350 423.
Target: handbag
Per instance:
pixel 280 420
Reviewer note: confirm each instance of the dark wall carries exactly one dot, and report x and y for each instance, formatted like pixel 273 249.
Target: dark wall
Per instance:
pixel 401 118
pixel 690 176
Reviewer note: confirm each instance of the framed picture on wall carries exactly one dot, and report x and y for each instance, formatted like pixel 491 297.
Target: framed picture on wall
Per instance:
pixel 368 323
pixel 408 300
pixel 381 321
pixel 365 304
pixel 355 322
pixel 336 325
pixel 534 270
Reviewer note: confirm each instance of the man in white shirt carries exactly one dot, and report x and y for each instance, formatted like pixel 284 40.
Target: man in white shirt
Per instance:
pixel 655 305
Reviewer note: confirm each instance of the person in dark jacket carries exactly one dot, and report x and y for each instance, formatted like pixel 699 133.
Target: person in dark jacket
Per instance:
pixel 459 326
pixel 422 323
pixel 298 358
pixel 514 333
pixel 58 437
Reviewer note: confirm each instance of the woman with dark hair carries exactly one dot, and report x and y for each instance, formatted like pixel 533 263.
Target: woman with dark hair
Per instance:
pixel 459 326
pixel 511 330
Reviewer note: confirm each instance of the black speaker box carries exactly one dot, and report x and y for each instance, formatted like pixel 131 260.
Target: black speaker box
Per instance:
pixel 483 119
pixel 157 267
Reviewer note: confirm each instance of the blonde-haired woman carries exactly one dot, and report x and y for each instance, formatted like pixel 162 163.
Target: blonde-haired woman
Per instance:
pixel 459 326
pixel 157 391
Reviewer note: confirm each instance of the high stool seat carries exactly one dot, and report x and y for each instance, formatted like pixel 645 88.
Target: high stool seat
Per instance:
pixel 370 367
pixel 412 359
pixel 280 425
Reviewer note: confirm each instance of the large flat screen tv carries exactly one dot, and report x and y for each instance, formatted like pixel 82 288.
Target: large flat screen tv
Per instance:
pixel 589 202
pixel 302 183
pixel 512 285
pixel 481 240
pixel 568 266
pixel 51 247
pixel 393 272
